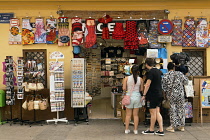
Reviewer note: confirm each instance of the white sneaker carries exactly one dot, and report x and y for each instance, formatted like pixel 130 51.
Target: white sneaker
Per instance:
pixel 135 132
pixel 127 131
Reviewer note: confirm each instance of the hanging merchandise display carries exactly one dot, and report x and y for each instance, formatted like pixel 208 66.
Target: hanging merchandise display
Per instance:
pixel 153 34
pixel 142 35
pixel 27 32
pixel 57 86
pixel 189 33
pixel 131 40
pixel 20 89
pixel 63 32
pixel 177 32
pixel 40 32
pixel 77 33
pixel 51 31
pixel 202 33
pixel 78 83
pixel 118 32
pixel 105 20
pixel 14 31
pixel 90 33
pixel 9 81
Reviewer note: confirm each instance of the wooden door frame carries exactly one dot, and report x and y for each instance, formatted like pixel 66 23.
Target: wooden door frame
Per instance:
pixel 45 60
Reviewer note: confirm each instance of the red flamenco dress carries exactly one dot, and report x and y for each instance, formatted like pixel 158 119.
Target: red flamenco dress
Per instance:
pixel 119 32
pixel 105 20
pixel 131 40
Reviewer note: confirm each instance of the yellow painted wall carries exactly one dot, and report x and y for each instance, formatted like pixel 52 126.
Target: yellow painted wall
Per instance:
pixel 16 50
pixel 33 9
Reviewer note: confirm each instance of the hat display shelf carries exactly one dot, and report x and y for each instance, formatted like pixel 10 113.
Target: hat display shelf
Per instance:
pixel 57 90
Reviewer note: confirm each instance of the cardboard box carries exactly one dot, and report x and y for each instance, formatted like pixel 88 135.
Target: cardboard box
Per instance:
pixel 205 113
pixel 196 86
pixel 196 101
pixel 119 114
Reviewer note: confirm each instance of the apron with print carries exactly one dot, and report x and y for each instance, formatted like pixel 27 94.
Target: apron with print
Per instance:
pixel 153 35
pixel 51 31
pixel 177 33
pixel 142 35
pixel 27 32
pixel 14 31
pixel 40 33
pixel 189 33
pixel 63 32
pixel 77 33
pixel 202 33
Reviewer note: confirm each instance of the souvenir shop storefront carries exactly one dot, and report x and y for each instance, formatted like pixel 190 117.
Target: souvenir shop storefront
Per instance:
pixel 78 59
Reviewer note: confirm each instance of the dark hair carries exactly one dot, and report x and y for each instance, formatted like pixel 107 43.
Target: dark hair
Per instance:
pixel 150 62
pixel 135 70
pixel 170 66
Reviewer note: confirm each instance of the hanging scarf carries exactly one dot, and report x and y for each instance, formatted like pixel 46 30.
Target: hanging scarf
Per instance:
pixel 202 33
pixel 51 31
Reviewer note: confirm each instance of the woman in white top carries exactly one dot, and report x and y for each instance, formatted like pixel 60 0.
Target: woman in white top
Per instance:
pixel 133 84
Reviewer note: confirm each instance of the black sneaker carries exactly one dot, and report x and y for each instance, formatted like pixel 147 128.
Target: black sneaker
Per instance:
pixel 148 132
pixel 159 133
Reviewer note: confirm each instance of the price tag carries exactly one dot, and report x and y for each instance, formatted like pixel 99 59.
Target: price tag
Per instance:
pixel 164 39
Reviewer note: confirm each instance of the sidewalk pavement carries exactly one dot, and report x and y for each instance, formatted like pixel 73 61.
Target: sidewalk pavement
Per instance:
pixel 109 129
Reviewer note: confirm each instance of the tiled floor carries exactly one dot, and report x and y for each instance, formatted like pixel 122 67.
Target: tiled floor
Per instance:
pixel 106 129
pixel 101 108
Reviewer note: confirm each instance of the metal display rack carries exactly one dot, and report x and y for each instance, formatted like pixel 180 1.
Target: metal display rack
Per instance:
pixel 78 89
pixel 57 92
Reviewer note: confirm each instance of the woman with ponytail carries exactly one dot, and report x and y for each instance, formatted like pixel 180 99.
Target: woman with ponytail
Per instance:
pixel 132 86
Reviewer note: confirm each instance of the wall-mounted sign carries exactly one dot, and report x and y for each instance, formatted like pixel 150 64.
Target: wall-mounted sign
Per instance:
pixel 56 55
pixel 165 27
pixel 5 17
pixel 164 39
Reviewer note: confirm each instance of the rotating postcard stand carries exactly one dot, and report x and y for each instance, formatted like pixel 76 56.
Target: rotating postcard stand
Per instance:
pixel 57 92
pixel 78 67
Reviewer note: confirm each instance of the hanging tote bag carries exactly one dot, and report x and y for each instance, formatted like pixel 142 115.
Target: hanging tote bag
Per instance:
pixel 30 104
pixel 39 86
pixel 43 104
pixel 188 110
pixel 189 89
pixel 126 99
pixel 24 105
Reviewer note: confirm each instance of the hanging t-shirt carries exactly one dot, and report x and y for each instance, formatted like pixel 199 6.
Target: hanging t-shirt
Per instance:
pixel 119 51
pixel 111 51
pixel 162 53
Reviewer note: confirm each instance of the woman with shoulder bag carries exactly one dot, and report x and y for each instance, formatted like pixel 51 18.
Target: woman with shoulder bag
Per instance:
pixel 133 85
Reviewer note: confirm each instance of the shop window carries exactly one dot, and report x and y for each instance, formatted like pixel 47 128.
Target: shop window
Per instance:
pixel 39 55
pixel 197 63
